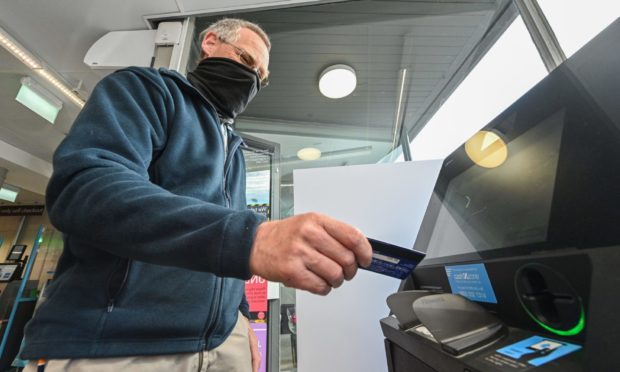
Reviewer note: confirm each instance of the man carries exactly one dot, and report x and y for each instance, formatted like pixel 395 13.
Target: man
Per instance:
pixel 149 190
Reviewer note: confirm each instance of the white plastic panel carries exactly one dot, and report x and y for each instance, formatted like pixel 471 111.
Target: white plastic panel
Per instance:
pixel 118 49
pixel 341 332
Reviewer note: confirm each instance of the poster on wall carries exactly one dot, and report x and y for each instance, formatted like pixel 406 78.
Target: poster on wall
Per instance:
pixel 258 192
pixel 256 294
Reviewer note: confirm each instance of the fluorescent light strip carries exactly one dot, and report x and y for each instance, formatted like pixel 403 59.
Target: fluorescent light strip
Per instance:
pixel 27 59
pixel 401 96
pixel 60 86
pixel 18 51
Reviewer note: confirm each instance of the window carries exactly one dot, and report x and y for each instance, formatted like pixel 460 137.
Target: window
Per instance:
pixel 575 22
pixel 510 68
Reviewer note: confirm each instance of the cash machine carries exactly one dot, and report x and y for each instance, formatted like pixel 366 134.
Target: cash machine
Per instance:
pixel 522 236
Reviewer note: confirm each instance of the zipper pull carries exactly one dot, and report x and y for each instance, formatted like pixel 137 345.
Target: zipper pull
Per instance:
pixel 110 306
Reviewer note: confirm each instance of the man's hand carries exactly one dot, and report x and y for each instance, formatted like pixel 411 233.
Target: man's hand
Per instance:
pixel 253 347
pixel 311 251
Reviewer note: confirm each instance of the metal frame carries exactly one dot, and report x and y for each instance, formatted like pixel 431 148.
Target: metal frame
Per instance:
pixel 272 149
pixel 541 32
pixel 405 142
pixel 273 336
pixel 263 146
pixel 181 51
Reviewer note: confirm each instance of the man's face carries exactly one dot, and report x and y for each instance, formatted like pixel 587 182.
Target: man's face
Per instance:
pixel 249 50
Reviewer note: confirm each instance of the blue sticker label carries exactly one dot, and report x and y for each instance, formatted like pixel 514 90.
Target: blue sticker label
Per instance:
pixel 538 350
pixel 472 282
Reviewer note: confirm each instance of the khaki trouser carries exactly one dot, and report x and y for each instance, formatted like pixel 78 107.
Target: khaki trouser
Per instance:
pixel 232 356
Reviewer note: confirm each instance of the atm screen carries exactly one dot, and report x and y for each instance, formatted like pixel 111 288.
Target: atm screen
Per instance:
pixel 544 175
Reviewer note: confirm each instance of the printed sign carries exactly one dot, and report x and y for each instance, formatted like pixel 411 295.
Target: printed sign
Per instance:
pixel 7 271
pixel 22 210
pixel 472 282
pixel 256 293
pixel 262 209
pixel 538 350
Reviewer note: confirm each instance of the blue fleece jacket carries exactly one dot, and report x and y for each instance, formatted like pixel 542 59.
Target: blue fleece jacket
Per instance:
pixel 156 230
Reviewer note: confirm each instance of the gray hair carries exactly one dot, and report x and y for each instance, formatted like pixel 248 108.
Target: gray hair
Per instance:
pixel 228 29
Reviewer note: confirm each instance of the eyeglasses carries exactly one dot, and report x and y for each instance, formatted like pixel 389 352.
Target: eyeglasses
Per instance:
pixel 247 59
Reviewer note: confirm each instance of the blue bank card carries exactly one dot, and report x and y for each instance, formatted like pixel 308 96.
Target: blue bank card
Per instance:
pixel 392 260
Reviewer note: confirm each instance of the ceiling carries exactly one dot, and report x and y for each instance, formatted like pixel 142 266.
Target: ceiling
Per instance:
pixel 377 39
pixel 432 39
pixel 60 33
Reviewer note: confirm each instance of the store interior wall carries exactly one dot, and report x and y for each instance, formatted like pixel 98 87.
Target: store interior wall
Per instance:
pixel 49 250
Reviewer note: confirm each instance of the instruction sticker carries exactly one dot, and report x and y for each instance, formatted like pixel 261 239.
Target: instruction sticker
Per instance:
pixel 472 282
pixel 537 350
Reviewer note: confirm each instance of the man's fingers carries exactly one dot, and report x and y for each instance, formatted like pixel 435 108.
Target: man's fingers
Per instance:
pixel 350 237
pixel 311 252
pixel 330 247
pixel 325 268
pixel 311 282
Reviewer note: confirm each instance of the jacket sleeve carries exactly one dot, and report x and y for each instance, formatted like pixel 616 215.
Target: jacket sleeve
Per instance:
pixel 101 197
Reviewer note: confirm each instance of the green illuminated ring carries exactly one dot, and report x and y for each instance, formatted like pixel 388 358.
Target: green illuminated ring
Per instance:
pixel 560 332
pixel 570 332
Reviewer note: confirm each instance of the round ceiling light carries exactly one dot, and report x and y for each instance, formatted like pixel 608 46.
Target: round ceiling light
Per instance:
pixel 309 153
pixel 486 149
pixel 337 81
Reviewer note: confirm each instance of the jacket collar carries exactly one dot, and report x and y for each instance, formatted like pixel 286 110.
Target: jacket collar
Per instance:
pixel 185 84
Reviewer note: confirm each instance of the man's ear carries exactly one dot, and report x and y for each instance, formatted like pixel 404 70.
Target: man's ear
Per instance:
pixel 208 43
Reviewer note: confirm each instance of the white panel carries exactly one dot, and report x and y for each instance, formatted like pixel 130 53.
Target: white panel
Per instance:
pixel 25 170
pixel 118 49
pixel 341 332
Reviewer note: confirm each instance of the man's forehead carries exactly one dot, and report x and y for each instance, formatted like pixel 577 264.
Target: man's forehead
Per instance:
pixel 252 38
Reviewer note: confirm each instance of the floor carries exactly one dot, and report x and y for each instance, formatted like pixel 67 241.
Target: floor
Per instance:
pixel 286 354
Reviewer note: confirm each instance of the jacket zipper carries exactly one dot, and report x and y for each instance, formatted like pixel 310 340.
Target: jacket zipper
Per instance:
pixel 200 358
pixel 112 300
pixel 226 154
pixel 219 281
pixel 232 148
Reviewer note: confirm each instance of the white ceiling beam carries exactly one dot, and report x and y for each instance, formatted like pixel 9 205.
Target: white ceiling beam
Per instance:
pixel 200 7
pixel 26 171
pixel 25 159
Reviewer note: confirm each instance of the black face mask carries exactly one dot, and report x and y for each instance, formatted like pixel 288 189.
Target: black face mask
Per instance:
pixel 228 85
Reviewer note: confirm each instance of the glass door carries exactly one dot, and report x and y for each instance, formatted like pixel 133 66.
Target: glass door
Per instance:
pixel 262 194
